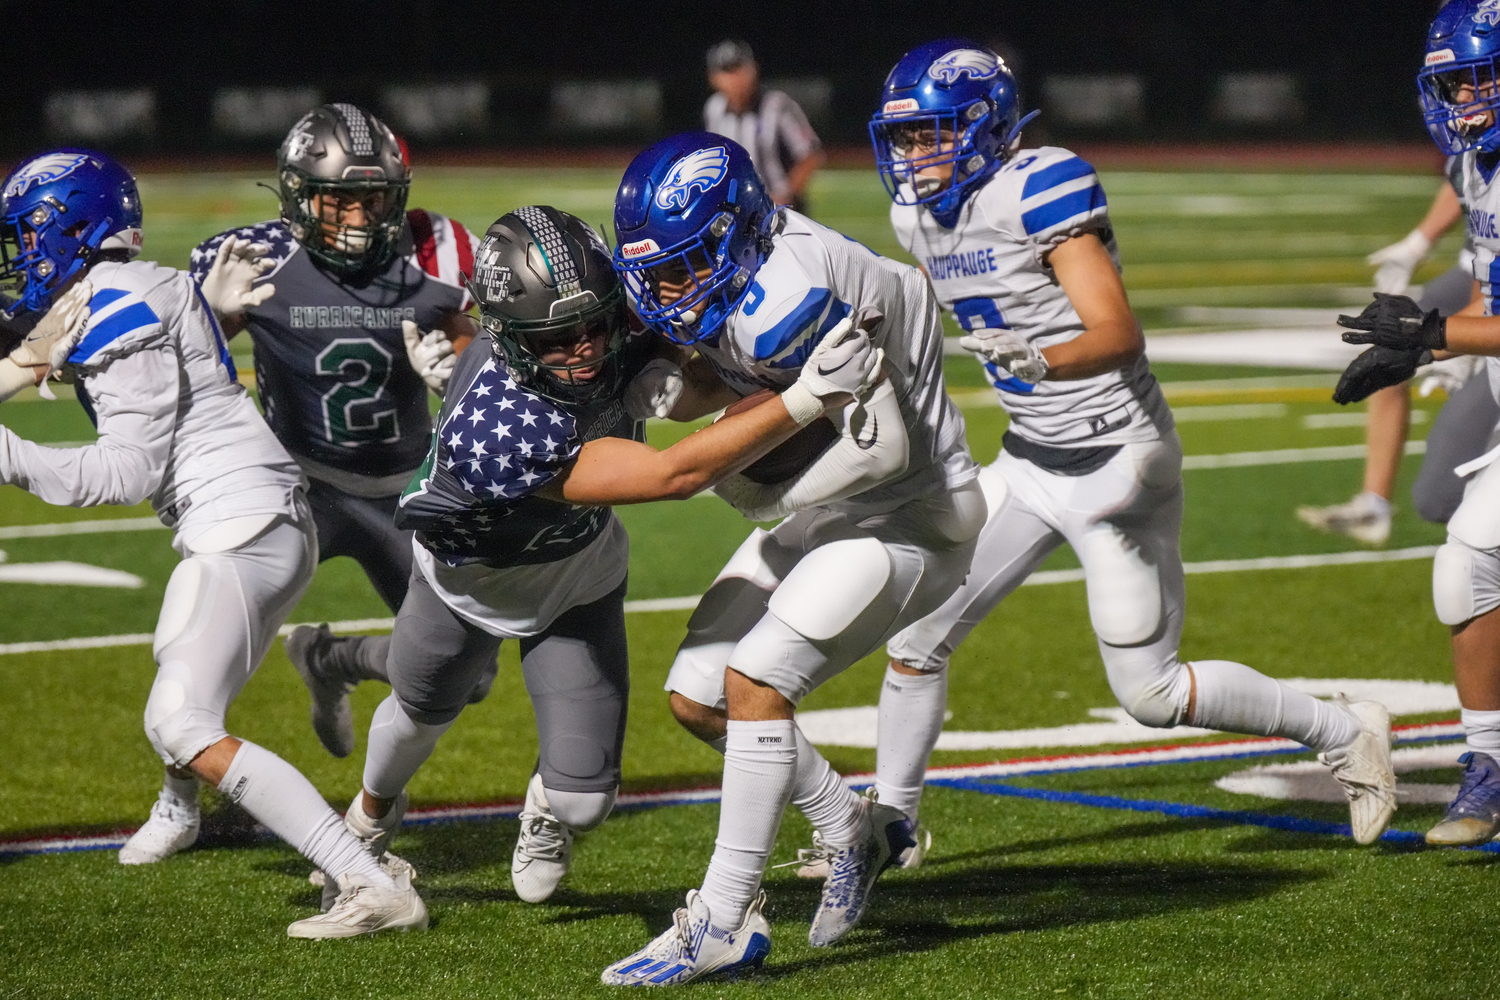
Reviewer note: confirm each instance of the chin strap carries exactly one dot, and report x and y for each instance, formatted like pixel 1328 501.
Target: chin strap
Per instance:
pixel 1013 137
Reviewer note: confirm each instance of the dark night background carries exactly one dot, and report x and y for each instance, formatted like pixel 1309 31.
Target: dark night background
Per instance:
pixel 1353 62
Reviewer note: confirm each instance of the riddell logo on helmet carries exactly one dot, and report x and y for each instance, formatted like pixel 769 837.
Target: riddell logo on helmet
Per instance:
pixel 638 249
pixel 905 104
pixel 1439 57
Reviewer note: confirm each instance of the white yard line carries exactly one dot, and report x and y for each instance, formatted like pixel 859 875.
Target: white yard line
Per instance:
pixel 82 527
pixel 688 603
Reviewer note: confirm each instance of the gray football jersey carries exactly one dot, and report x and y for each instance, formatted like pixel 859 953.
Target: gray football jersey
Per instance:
pixel 330 361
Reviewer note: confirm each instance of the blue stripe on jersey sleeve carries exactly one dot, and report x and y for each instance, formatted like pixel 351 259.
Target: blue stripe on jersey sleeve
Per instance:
pixel 131 318
pixel 779 337
pixel 1059 173
pixel 104 297
pixel 1060 210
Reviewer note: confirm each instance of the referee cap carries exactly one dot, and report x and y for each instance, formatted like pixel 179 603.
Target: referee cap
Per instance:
pixel 729 54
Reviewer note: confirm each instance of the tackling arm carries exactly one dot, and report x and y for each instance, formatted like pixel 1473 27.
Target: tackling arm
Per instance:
pixel 135 399
pixel 702 391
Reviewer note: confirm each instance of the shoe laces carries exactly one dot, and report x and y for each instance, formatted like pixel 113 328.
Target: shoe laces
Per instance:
pixel 818 853
pixel 173 809
pixel 543 837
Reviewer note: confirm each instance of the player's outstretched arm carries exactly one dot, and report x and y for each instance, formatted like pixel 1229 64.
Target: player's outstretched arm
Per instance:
pixel 702 391
pixel 1111 339
pixel 611 471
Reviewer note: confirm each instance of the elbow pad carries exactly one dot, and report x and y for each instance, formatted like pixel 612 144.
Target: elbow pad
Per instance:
pixel 872 448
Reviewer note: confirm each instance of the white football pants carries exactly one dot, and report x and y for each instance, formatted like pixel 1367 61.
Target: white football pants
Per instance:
pixel 799 604
pixel 219 616
pixel 1122 521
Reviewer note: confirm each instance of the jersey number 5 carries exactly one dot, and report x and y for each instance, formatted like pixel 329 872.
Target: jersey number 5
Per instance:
pixel 357 410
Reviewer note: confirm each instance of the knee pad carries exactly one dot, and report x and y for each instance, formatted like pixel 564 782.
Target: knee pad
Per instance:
pixel 178 729
pixel 1124 591
pixel 1465 582
pixel 582 811
pixel 832 586
pixel 1154 693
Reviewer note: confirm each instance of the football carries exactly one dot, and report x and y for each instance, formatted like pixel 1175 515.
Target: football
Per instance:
pixel 792 455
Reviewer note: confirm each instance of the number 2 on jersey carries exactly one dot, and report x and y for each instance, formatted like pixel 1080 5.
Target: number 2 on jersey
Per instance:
pixel 357 411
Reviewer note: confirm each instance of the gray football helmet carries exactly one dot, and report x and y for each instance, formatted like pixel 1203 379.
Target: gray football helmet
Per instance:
pixel 545 282
pixel 344 153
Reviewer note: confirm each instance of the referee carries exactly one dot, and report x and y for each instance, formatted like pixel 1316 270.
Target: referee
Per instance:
pixel 768 123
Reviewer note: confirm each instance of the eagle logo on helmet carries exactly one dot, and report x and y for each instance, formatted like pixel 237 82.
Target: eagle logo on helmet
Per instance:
pixel 948 69
pixel 1488 13
pixel 44 170
pixel 701 169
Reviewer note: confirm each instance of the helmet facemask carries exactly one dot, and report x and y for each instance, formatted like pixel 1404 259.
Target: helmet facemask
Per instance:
pixel 350 226
pixel 688 290
pixel 1459 105
pixel 572 357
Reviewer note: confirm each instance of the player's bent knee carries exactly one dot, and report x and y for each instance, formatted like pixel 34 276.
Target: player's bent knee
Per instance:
pixel 1465 582
pixel 1159 700
pixel 708 724
pixel 581 810
pixel 832 586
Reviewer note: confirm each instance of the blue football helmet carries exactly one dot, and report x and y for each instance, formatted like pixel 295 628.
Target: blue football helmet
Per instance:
pixel 1457 85
pixel 57 211
pixel 952 87
pixel 692 213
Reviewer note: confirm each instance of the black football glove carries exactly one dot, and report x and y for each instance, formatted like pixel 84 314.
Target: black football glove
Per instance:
pixel 1395 321
pixel 1375 369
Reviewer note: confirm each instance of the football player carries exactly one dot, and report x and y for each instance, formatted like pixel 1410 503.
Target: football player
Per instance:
pixel 1019 248
pixel 175 427
pixel 1460 98
pixel 872 544
pixel 355 305
pixel 516 538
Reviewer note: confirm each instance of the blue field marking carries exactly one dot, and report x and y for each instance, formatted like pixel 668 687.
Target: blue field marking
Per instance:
pixel 1291 824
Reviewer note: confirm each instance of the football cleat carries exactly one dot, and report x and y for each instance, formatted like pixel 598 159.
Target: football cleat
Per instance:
pixel 852 871
pixel 1364 770
pixel 543 850
pixel 364 907
pixel 375 834
pixel 1474 816
pixel 693 948
pixel 813 861
pixel 1362 519
pixel 332 720
pixel 172 827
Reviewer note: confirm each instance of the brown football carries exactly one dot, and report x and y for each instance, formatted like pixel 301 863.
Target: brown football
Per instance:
pixel 792 455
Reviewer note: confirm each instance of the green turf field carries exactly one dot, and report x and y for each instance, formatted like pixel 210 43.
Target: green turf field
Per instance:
pixel 1020 897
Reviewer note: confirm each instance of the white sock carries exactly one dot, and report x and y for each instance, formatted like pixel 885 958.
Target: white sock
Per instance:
pixel 1233 698
pixel 1482 731
pixel 829 805
pixel 1375 503
pixel 398 746
pixel 911 716
pixel 184 790
pixel 285 802
pixel 760 767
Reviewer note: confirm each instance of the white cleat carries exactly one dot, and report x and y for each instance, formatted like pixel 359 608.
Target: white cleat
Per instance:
pixel 375 834
pixel 172 827
pixel 852 871
pixel 1364 770
pixel 543 850
pixel 813 861
pixel 332 719
pixel 364 907
pixel 1362 519
pixel 693 948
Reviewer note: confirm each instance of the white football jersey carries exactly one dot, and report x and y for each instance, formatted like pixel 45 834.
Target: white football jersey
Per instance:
pixel 813 278
pixel 154 373
pixel 989 270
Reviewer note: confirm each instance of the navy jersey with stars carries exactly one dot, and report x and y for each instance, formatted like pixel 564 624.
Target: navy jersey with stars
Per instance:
pixel 330 361
pixel 496 445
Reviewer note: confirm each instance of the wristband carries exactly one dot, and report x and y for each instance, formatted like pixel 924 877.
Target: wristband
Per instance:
pixel 803 406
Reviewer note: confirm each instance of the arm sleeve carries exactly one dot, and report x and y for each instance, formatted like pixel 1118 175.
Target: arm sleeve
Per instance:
pixel 792 125
pixel 135 400
pixel 872 449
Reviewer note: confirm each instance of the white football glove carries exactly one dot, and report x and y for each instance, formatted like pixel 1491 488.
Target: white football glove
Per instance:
pixel 654 391
pixel 57 334
pixel 1395 263
pixel 845 361
pixel 228 286
pixel 1009 350
pixel 431 355
pixel 1449 375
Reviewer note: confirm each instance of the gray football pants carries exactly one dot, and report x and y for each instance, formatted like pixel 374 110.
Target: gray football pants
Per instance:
pixel 365 531
pixel 577 673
